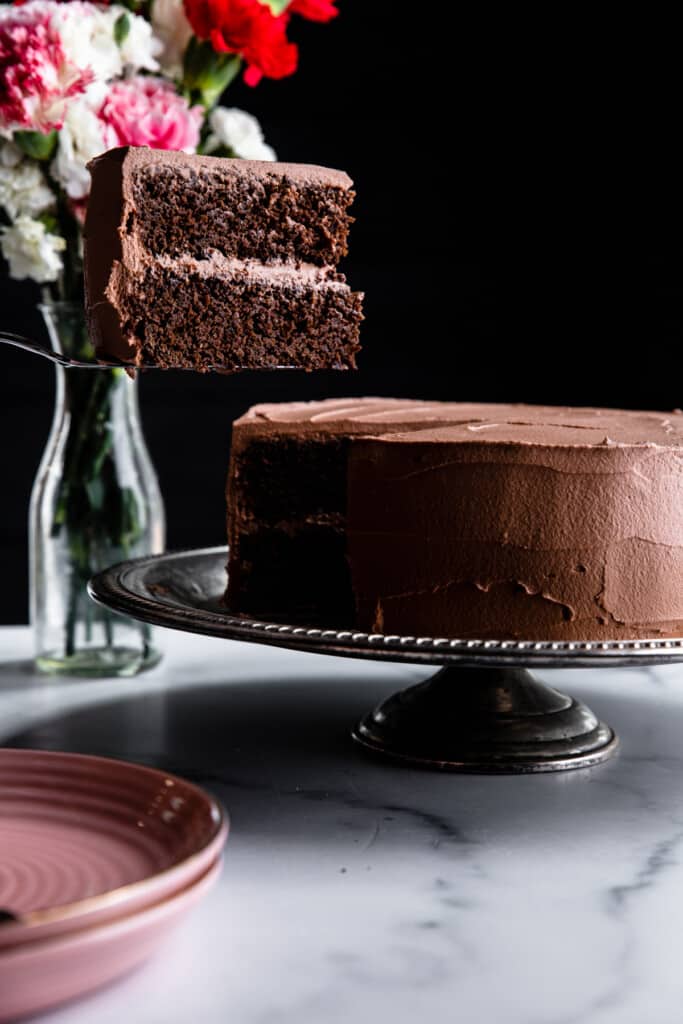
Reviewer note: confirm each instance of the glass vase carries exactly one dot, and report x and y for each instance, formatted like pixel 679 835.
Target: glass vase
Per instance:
pixel 95 502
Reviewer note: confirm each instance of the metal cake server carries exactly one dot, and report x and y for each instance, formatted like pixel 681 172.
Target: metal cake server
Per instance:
pixel 40 348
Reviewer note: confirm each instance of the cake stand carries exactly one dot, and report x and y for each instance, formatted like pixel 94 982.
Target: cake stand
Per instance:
pixel 481 712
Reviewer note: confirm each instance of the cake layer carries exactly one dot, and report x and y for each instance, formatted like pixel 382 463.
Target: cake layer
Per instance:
pixel 259 213
pixel 471 520
pixel 308 563
pixel 263 470
pixel 180 317
pixel 250 209
pixel 246 251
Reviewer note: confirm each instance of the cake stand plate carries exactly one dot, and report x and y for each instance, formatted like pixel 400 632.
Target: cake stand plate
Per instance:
pixel 481 712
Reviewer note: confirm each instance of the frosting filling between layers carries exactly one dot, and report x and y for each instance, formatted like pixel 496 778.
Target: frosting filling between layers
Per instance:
pixel 141 272
pixel 278 272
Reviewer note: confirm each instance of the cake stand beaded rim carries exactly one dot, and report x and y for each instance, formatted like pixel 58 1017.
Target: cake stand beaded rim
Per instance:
pixel 140 588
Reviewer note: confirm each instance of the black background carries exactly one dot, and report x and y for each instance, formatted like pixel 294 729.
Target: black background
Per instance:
pixel 518 237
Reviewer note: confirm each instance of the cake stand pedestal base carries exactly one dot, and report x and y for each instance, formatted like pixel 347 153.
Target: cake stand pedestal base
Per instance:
pixel 487 720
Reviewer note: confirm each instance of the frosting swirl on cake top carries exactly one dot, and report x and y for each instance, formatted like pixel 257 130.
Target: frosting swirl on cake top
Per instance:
pixel 464 421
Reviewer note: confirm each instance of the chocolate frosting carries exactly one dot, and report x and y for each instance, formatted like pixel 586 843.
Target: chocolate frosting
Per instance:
pixel 142 156
pixel 506 521
pixel 472 421
pixel 102 251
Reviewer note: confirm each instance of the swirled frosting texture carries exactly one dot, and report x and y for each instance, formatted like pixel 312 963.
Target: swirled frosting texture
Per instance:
pixel 506 521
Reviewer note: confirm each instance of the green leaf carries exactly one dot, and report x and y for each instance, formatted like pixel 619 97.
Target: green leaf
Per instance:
pixel 214 88
pixel 101 455
pixel 36 144
pixel 130 525
pixel 61 509
pixel 206 74
pixel 277 6
pixel 221 151
pixel 95 490
pixel 121 29
pixel 50 221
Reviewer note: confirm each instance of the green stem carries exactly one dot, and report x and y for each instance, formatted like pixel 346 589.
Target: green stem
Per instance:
pixel 100 517
pixel 72 615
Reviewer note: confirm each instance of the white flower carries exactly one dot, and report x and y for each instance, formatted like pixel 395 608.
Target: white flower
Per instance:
pixel 23 188
pixel 140 48
pixel 174 31
pixel 239 132
pixel 87 36
pixel 83 136
pixel 31 250
pixel 10 155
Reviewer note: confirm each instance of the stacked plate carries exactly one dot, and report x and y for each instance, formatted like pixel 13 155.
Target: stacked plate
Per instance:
pixel 98 860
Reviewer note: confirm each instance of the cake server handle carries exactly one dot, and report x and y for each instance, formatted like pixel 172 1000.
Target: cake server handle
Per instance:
pixel 39 348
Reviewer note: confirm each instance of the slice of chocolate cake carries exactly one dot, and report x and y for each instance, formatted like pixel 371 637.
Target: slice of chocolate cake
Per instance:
pixel 201 262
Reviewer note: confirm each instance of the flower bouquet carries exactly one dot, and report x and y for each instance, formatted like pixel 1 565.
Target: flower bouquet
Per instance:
pixel 76 79
pixel 79 78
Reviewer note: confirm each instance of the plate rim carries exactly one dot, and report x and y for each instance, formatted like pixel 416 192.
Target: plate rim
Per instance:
pixel 143 932
pixel 112 588
pixel 18 932
pixel 111 926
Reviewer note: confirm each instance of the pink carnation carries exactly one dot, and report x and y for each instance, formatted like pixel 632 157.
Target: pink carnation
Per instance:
pixel 36 79
pixel 146 111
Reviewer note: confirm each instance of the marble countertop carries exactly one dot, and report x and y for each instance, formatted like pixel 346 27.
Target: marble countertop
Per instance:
pixel 357 891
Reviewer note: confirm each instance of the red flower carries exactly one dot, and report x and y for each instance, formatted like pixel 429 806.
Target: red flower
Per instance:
pixel 249 28
pixel 314 10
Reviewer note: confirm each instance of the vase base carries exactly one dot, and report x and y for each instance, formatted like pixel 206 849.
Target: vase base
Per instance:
pixel 98 662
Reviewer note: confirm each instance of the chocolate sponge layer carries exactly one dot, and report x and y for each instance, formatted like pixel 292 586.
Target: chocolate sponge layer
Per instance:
pixel 238 322
pixel 248 216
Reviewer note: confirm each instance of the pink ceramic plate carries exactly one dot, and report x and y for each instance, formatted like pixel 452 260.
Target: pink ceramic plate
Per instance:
pixel 42 974
pixel 89 839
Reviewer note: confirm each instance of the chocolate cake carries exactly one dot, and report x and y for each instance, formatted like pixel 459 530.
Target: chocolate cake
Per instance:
pixel 449 519
pixel 203 262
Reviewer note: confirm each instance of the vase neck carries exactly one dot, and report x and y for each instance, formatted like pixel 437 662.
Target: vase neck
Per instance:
pixel 110 391
pixel 67 329
pixel 107 394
